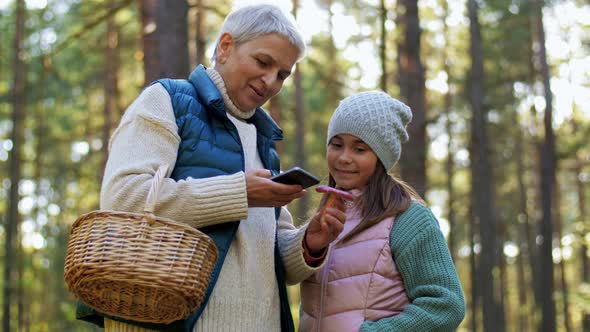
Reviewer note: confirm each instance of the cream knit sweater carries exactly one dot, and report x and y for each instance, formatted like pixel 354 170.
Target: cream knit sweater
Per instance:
pixel 245 297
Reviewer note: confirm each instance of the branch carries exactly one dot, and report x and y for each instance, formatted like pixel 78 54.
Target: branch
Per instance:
pixel 111 12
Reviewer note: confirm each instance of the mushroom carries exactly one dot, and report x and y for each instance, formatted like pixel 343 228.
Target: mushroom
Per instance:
pixel 333 194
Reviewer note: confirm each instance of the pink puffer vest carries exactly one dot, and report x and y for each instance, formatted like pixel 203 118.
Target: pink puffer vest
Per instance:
pixel 359 282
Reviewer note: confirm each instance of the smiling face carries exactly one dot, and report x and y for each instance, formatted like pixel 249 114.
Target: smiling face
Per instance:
pixel 351 161
pixel 254 71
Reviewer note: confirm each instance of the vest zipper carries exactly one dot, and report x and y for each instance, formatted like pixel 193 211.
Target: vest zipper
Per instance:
pixel 324 283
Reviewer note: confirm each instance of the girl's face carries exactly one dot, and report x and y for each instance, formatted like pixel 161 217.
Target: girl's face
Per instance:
pixel 351 162
pixel 254 71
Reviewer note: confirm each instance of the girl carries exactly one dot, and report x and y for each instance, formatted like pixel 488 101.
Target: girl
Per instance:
pixel 390 268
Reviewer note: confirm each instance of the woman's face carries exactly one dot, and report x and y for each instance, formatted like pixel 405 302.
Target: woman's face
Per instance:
pixel 351 161
pixel 254 71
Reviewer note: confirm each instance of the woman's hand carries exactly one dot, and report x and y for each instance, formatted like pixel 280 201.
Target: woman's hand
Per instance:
pixel 325 226
pixel 263 192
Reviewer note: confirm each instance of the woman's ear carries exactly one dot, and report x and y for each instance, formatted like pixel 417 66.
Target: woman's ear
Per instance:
pixel 225 47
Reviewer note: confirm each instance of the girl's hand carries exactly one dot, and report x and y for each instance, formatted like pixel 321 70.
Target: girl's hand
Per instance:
pixel 327 224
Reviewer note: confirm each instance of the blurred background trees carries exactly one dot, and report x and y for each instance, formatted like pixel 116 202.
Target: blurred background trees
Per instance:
pixel 499 142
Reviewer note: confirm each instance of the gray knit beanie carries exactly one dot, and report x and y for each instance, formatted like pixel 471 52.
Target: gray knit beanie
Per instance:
pixel 376 118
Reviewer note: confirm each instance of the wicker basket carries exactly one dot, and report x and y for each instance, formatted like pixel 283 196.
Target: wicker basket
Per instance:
pixel 138 266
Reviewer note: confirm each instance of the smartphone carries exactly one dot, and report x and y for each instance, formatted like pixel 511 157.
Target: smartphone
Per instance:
pixel 297 175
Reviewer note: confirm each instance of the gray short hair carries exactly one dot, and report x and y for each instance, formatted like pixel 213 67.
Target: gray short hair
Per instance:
pixel 250 22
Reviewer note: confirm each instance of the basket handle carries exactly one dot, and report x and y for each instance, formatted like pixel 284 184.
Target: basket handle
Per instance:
pixel 152 198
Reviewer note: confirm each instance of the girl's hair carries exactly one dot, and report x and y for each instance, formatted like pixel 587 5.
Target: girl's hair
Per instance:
pixel 384 196
pixel 250 22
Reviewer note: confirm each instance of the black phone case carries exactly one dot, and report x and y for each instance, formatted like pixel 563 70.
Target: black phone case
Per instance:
pixel 297 175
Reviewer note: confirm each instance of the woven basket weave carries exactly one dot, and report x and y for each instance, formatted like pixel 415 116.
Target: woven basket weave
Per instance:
pixel 138 266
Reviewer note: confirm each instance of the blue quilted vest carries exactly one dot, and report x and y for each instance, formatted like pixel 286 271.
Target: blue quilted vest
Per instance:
pixel 210 146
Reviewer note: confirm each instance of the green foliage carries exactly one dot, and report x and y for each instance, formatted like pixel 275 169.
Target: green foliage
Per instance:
pixel 582 297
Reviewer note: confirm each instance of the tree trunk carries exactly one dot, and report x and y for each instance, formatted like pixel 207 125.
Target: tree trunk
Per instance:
pixel 450 163
pixel 383 45
pixel 481 175
pixel 18 118
pixel 532 222
pixel 172 30
pixel 522 298
pixel 150 40
pixel 300 159
pixel 564 286
pixel 41 130
pixel 503 305
pixel 20 294
pixel 450 170
pixel 200 38
pixel 473 271
pixel 165 39
pixel 328 72
pixel 547 183
pixel 411 82
pixel 524 241
pixel 332 88
pixel 111 91
pixel 585 267
pixel 578 173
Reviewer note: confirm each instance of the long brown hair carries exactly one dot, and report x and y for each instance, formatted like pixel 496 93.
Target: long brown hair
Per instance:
pixel 384 196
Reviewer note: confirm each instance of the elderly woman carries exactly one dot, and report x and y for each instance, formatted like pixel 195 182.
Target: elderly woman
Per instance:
pixel 219 144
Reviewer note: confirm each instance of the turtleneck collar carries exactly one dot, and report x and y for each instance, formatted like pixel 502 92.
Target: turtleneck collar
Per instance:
pixel 230 107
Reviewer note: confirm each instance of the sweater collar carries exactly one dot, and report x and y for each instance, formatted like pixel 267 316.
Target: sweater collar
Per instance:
pixel 210 96
pixel 229 104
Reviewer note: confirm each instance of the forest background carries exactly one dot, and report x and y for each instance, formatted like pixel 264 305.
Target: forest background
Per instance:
pixel 499 142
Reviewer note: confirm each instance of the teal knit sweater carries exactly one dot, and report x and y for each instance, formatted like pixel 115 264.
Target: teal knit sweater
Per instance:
pixel 432 284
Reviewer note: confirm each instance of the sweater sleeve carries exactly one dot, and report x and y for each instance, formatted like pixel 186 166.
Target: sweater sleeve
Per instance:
pixel 432 284
pixel 147 138
pixel 291 247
